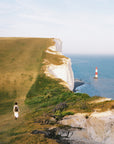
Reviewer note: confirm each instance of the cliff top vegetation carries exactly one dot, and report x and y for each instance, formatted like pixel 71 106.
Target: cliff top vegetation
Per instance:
pixel 42 100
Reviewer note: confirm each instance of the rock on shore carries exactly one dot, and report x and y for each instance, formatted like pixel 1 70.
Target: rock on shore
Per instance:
pixel 97 128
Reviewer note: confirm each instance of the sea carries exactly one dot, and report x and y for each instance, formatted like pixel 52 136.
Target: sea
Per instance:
pixel 84 69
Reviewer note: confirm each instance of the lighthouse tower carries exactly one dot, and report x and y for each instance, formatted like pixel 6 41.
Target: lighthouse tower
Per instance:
pixel 96 73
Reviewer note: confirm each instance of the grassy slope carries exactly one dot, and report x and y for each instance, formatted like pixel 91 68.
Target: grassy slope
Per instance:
pixel 22 67
pixel 20 63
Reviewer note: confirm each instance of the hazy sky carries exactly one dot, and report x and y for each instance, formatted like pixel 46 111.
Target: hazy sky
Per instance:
pixel 84 26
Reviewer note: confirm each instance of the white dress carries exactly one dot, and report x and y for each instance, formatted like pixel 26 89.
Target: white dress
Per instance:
pixel 16 113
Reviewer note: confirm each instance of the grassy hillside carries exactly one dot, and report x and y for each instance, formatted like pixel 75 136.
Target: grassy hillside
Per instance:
pixel 20 63
pixel 40 98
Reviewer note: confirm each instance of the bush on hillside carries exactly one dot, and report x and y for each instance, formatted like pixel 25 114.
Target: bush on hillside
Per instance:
pixel 60 107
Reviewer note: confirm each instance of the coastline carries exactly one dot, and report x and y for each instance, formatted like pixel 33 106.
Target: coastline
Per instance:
pixel 77 83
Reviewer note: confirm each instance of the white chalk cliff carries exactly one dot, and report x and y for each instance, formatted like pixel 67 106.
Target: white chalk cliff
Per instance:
pixel 98 128
pixel 62 71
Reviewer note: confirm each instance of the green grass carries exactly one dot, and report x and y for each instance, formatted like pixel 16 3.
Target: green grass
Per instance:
pixel 54 59
pixel 22 79
pixel 6 101
pixel 20 63
pixel 47 92
pixel 22 54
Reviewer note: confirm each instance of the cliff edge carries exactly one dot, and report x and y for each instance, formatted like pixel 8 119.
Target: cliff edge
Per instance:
pixel 97 128
pixel 63 70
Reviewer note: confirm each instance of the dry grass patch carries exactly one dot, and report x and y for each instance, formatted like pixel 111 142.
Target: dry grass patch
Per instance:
pixel 20 63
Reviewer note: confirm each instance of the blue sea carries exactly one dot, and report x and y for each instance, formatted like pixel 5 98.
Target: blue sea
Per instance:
pixel 84 69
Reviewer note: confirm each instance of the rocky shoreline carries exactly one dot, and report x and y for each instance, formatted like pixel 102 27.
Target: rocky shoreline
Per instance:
pixel 77 83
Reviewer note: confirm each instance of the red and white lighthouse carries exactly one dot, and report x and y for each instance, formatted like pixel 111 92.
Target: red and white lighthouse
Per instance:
pixel 96 73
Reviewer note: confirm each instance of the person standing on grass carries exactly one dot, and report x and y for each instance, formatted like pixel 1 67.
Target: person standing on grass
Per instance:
pixel 16 111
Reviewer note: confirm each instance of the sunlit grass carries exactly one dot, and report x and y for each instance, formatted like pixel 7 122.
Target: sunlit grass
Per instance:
pixel 22 79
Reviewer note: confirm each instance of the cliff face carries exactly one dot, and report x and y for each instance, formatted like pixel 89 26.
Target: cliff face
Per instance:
pixel 98 128
pixel 62 71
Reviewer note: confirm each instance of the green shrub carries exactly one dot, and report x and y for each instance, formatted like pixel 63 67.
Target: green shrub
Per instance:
pixel 67 113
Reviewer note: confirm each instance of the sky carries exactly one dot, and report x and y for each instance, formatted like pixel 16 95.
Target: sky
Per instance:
pixel 84 26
